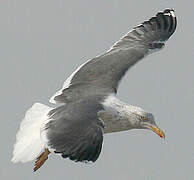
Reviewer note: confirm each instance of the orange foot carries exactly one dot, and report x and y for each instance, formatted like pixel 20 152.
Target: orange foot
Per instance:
pixel 41 159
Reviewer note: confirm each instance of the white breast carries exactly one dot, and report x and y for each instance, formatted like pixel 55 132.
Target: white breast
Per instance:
pixel 118 116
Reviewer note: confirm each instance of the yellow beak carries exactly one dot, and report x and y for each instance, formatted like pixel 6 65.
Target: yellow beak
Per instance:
pixel 158 131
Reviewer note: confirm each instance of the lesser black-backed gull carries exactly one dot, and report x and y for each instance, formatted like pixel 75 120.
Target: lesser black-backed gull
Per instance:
pixel 90 107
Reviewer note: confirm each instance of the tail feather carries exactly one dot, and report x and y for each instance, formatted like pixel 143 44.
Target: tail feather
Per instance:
pixel 29 144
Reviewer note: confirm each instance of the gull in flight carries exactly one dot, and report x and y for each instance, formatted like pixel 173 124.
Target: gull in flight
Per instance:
pixel 89 106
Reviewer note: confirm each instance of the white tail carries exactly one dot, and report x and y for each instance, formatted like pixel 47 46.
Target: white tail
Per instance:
pixel 29 144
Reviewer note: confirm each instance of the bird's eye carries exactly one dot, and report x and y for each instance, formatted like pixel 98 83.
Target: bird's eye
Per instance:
pixel 143 118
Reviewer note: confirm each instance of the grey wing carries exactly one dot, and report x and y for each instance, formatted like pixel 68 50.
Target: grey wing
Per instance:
pixel 75 131
pixel 101 75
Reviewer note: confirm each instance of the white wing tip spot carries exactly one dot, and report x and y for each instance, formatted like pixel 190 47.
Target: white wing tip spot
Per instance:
pixel 171 13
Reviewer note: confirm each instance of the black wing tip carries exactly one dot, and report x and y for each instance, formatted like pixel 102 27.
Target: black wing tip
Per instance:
pixel 171 11
pixel 162 25
pixel 170 18
pixel 168 12
pixel 158 28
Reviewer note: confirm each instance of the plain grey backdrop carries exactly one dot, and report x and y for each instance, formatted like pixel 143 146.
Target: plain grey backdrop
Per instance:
pixel 43 41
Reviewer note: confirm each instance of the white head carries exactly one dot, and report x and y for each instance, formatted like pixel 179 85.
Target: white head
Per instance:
pixel 125 117
pixel 141 119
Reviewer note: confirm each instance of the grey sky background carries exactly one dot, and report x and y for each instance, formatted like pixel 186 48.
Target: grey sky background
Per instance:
pixel 43 41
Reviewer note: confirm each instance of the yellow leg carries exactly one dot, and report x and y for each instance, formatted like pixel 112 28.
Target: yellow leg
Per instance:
pixel 41 159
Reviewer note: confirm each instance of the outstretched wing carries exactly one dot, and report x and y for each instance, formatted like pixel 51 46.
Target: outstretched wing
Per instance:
pixel 75 131
pixel 103 73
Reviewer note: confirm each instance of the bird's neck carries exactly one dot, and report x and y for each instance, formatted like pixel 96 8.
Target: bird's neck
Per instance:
pixel 118 116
